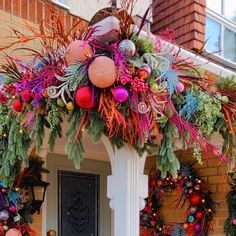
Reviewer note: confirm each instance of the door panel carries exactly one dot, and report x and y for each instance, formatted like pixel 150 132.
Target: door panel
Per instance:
pixel 78 204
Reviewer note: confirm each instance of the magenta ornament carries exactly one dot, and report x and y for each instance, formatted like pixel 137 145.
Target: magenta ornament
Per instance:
pixel 179 87
pixel 121 94
pixel 197 227
pixel 234 221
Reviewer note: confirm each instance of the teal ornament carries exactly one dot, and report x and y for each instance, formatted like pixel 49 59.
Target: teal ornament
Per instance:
pixel 127 48
pixel 191 219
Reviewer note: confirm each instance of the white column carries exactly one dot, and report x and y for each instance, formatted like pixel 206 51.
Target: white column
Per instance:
pixel 126 188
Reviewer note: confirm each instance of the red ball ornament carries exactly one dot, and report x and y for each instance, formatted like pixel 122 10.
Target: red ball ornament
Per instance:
pixel 84 97
pixel 26 96
pixel 199 215
pixel 179 87
pixel 153 182
pixel 17 105
pixel 195 199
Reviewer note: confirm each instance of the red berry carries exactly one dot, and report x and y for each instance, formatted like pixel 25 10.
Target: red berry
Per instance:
pixel 17 105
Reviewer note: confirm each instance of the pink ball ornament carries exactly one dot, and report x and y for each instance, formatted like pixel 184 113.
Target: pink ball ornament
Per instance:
pixel 102 72
pixel 144 72
pixel 179 87
pixel 12 208
pixel 127 48
pixel 234 221
pixel 121 94
pixel 84 97
pixel 78 51
pixel 13 232
pixel 17 105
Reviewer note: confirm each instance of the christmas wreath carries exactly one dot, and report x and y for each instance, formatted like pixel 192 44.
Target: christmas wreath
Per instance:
pixel 192 190
pixel 113 79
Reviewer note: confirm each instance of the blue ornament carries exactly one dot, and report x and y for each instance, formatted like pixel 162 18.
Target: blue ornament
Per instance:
pixel 186 190
pixel 127 48
pixel 191 219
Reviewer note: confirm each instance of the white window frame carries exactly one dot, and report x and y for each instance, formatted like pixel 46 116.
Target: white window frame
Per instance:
pixel 225 23
pixel 63 5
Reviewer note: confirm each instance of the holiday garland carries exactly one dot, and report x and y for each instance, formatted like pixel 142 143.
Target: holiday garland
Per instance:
pixel 110 81
pixel 191 189
pixel 230 222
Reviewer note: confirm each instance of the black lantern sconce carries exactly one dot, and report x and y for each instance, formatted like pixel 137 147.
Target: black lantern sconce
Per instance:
pixel 38 191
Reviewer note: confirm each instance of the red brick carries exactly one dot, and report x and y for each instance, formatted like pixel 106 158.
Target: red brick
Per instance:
pixel 68 22
pixel 32 11
pixel 24 9
pixel 16 8
pixel 8 4
pixel 1 4
pixel 40 11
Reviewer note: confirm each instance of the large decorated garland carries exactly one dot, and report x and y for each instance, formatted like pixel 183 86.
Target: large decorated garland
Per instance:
pixel 110 80
pixel 192 189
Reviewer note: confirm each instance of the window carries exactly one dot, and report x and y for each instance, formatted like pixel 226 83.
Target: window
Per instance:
pixel 221 28
pixel 62 3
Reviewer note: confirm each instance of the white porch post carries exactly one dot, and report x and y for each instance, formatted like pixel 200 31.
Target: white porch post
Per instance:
pixel 126 188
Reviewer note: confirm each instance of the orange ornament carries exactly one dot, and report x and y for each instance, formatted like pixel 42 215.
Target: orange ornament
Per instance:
pixel 13 232
pixel 102 72
pixel 78 51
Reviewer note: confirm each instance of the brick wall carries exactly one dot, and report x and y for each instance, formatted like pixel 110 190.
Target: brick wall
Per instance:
pixel 215 177
pixel 185 17
pixel 13 13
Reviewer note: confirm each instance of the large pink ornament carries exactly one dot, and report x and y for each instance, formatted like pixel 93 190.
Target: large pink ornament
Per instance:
pixel 234 221
pixel 13 232
pixel 179 87
pixel 102 72
pixel 120 94
pixel 127 48
pixel 78 51
pixel 84 97
pixel 144 72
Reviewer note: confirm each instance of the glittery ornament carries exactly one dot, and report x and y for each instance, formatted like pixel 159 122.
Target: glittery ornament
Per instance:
pixel 197 187
pixel 144 72
pixel 17 105
pixel 154 87
pixel 125 79
pixel 4 215
pixel 179 87
pixel 84 98
pixel 224 99
pixel 197 227
pixel 121 94
pixel 12 208
pixel 192 210
pixel 127 48
pixel 195 199
pixel 70 106
pixel 191 219
pixel 5 228
pixel 199 215
pixel 186 225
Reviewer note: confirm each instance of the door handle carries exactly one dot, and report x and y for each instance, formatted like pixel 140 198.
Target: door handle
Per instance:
pixel 51 233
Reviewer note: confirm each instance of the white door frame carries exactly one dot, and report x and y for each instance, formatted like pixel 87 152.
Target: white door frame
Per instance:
pixel 55 162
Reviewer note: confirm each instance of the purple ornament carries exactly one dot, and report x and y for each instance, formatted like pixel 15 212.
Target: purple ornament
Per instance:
pixel 192 210
pixel 127 48
pixel 179 87
pixel 234 221
pixel 197 227
pixel 120 94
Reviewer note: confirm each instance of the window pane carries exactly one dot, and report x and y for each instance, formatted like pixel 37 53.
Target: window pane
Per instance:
pixel 212 35
pixel 230 45
pixel 230 10
pixel 215 5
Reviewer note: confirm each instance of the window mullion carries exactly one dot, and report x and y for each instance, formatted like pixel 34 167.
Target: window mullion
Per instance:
pixel 222 39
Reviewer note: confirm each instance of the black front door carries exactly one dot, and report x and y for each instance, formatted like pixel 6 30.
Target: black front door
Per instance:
pixel 78 204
